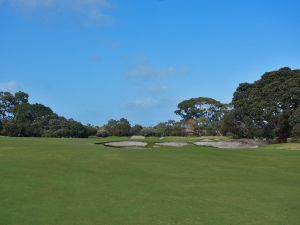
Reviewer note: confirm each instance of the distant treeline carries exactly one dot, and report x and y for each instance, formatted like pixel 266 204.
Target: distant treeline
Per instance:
pixel 122 127
pixel 268 108
pixel 21 119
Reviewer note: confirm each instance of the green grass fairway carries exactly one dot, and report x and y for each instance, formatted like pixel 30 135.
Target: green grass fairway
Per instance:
pixel 76 182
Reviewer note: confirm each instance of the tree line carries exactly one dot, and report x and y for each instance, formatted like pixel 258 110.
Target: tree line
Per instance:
pixel 122 127
pixel 268 108
pixel 19 118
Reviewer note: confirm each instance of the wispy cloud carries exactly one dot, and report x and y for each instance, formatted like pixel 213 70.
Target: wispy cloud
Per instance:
pixel 111 44
pixel 141 103
pixel 87 10
pixel 145 102
pixel 145 70
pixel 152 84
pixel 150 102
pixel 142 68
pixel 8 86
pixel 157 88
pixel 95 58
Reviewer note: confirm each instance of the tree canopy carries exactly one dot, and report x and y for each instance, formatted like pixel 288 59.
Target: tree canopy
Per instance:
pixel 264 108
pixel 206 112
pixel 20 118
pixel 120 127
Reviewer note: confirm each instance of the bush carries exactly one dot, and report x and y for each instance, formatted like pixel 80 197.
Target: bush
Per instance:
pixel 120 127
pixel 150 132
pixel 170 128
pixel 296 131
pixel 136 129
pixel 102 133
pixel 91 130
pixel 295 140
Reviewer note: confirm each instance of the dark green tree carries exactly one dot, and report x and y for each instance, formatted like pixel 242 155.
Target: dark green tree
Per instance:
pixel 7 102
pixel 136 129
pixel 206 112
pixel 170 128
pixel 120 127
pixel 264 107
pixel 295 124
pixel 20 118
pixel 150 132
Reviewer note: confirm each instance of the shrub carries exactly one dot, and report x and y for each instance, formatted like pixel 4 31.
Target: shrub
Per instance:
pixel 296 131
pixel 136 129
pixel 150 132
pixel 102 133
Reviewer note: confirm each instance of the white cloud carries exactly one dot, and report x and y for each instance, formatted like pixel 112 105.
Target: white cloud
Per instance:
pixel 142 103
pixel 142 68
pixel 157 88
pixel 147 71
pixel 149 102
pixel 87 10
pixel 8 86
pixel 57 4
pixel 95 58
pixel 145 102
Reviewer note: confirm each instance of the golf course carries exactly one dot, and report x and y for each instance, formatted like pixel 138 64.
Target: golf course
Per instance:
pixel 69 181
pixel 157 112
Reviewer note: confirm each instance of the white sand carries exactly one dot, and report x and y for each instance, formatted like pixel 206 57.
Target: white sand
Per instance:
pixel 172 144
pixel 126 144
pixel 137 138
pixel 225 144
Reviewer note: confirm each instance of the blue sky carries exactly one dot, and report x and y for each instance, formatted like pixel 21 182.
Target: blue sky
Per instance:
pixel 93 60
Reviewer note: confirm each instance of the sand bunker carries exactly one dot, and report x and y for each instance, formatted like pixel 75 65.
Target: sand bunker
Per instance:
pixel 226 144
pixel 125 144
pixel 240 143
pixel 172 144
pixel 137 138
